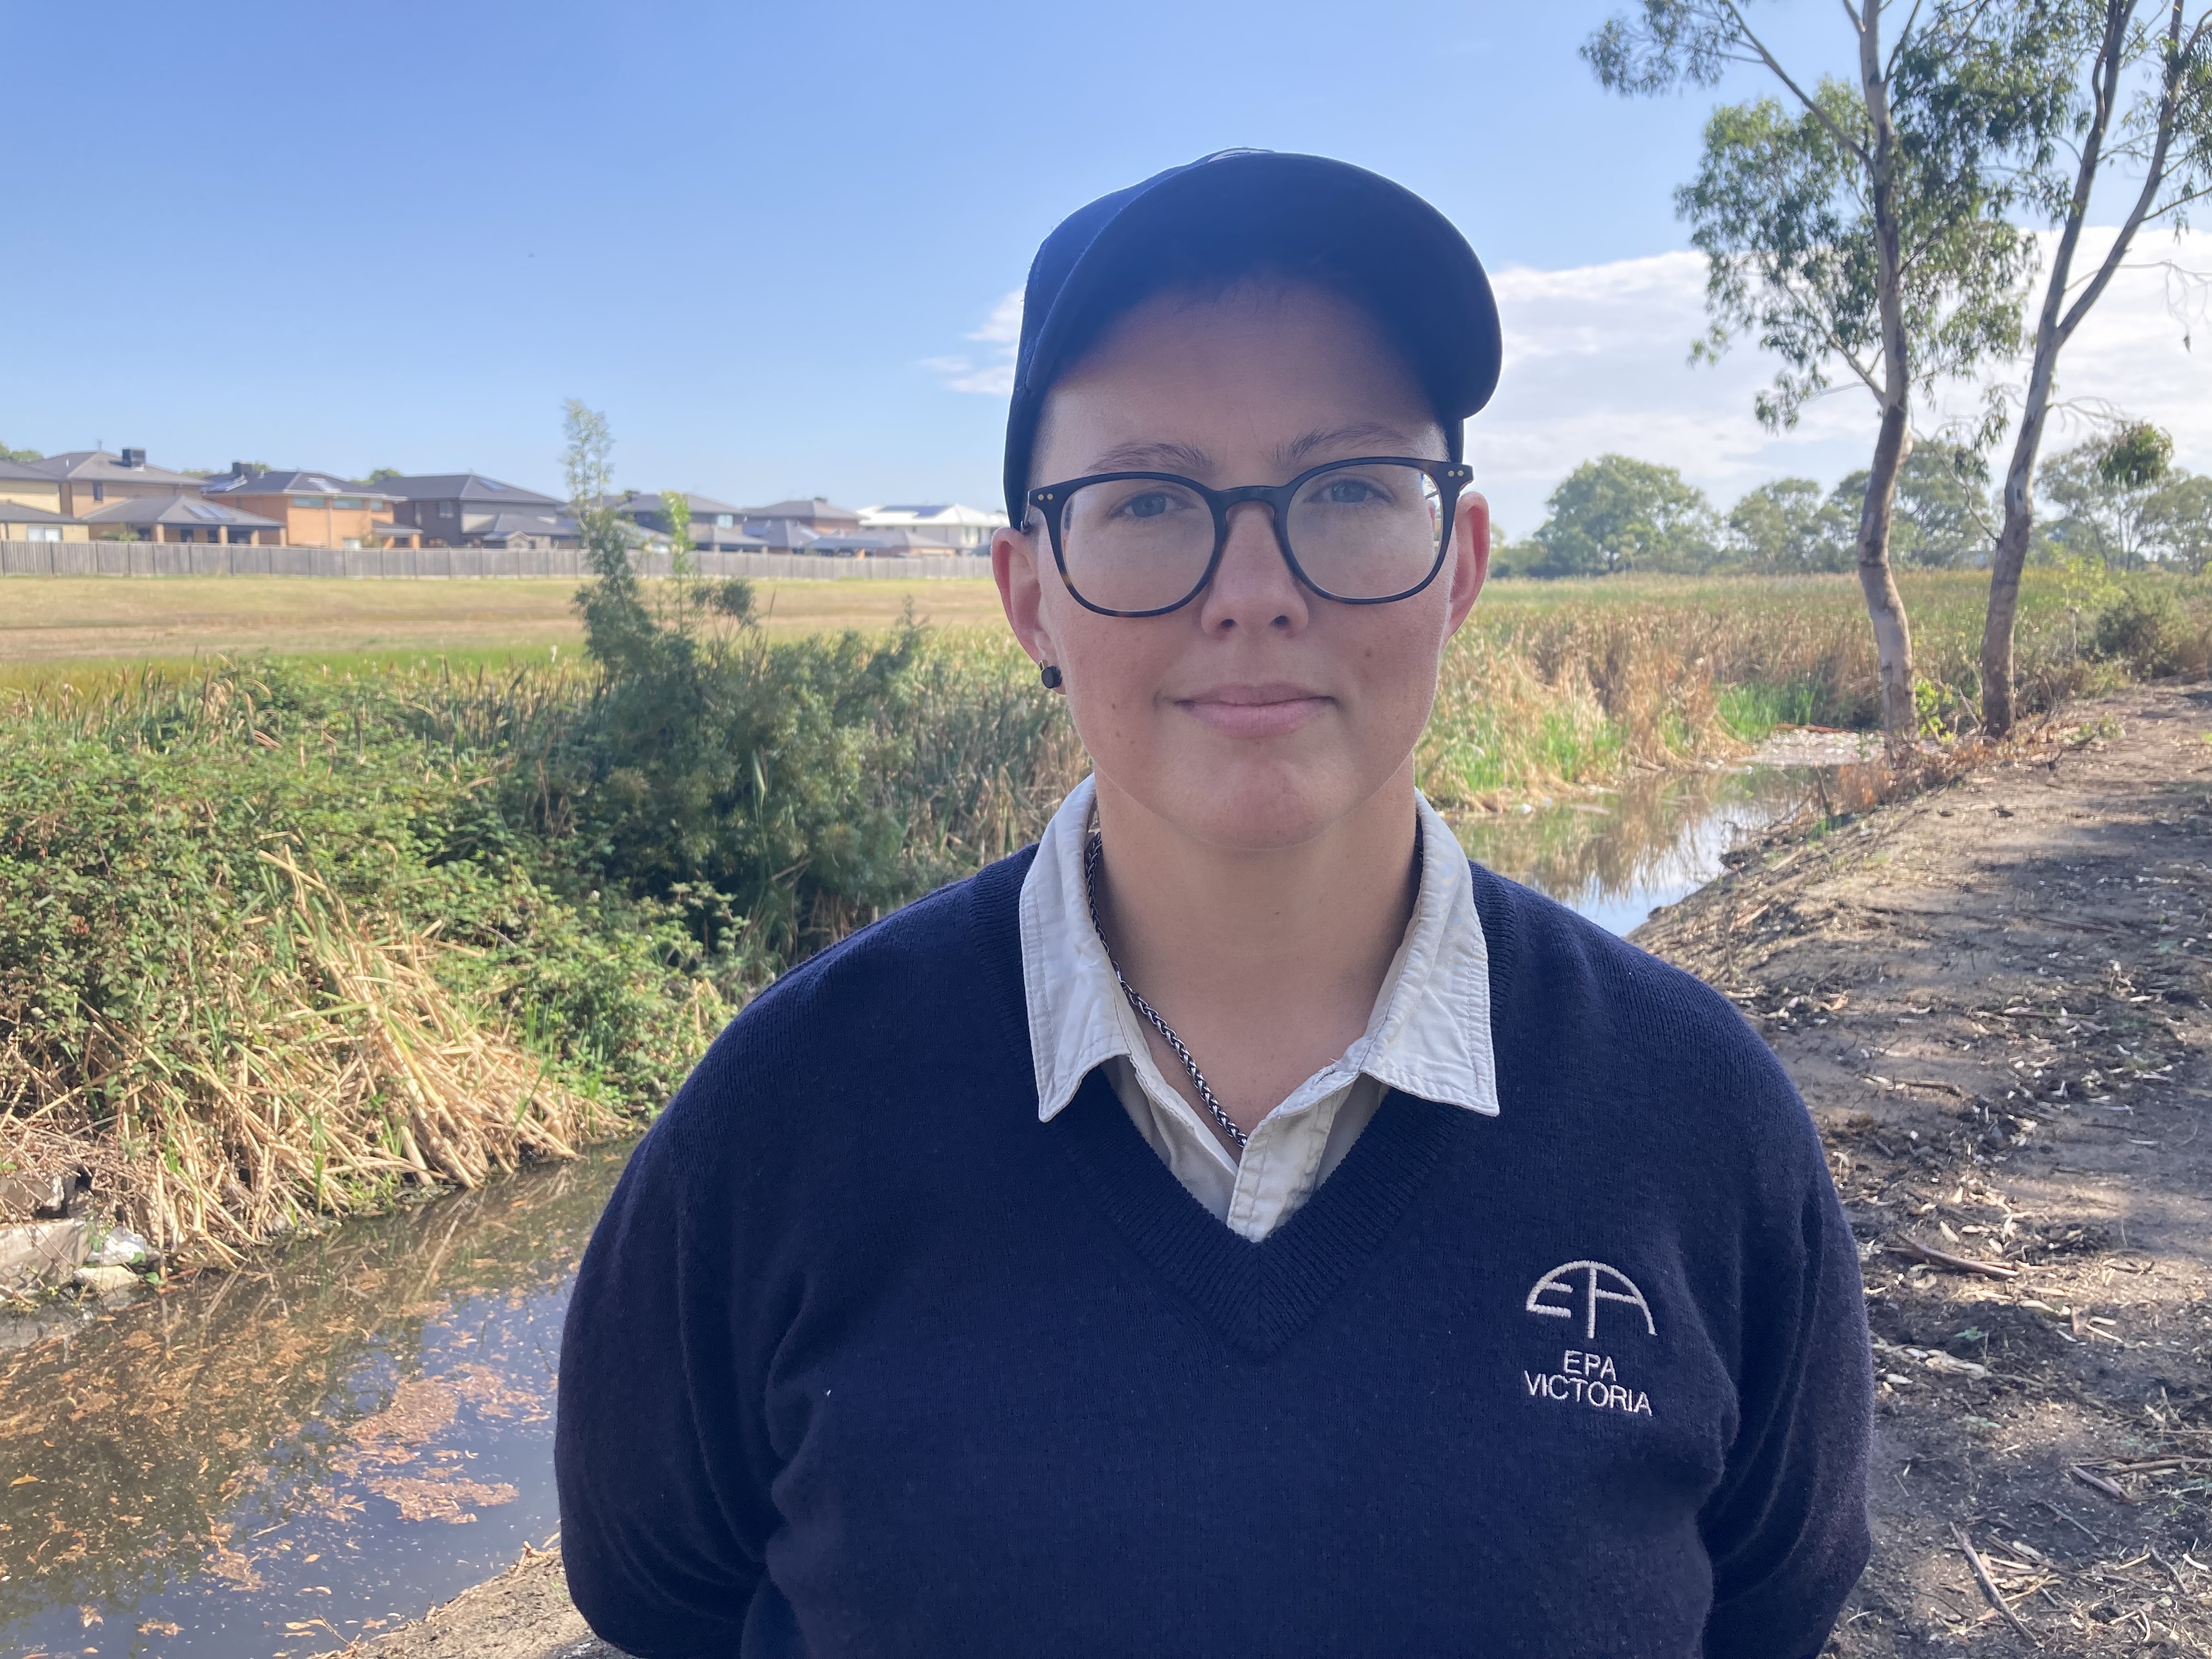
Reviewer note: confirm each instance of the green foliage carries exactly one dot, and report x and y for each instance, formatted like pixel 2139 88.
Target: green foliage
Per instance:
pixel 2145 628
pixel 2121 502
pixel 1616 514
pixel 1944 517
pixel 1786 528
pixel 1754 710
pixel 21 457
pixel 746 767
pixel 131 838
pixel 2176 521
pixel 383 475
pixel 2139 458
pixel 676 508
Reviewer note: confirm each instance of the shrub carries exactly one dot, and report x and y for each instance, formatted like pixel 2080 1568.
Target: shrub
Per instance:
pixel 2144 628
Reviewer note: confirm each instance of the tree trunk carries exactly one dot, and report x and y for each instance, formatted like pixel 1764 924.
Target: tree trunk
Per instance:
pixel 1999 707
pixel 1893 636
pixel 2000 704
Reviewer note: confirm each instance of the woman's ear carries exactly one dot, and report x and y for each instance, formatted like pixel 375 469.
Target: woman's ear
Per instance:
pixel 1471 554
pixel 1021 592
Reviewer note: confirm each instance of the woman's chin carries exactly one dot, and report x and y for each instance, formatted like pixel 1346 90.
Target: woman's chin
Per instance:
pixel 1260 809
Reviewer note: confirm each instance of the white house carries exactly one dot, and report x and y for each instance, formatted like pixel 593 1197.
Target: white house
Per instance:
pixel 962 529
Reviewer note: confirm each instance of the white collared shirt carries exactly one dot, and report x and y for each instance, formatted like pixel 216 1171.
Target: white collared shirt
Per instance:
pixel 1429 1033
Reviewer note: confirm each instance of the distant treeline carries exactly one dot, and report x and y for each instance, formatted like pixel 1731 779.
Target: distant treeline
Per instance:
pixel 2118 501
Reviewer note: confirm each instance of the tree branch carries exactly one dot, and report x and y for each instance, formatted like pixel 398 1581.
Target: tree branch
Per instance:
pixel 1750 39
pixel 1903 35
pixel 2179 202
pixel 2154 178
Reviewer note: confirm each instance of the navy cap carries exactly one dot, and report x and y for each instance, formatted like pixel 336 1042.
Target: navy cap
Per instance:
pixel 1243 208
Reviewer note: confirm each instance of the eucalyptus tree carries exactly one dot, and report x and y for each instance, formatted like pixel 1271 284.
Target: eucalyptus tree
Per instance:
pixel 2138 89
pixel 1854 228
pixel 1784 528
pixel 1616 514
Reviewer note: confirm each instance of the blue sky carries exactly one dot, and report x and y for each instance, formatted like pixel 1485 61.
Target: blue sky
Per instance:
pixel 350 236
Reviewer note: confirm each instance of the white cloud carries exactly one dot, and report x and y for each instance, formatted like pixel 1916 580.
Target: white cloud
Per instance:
pixel 1596 359
pixel 993 376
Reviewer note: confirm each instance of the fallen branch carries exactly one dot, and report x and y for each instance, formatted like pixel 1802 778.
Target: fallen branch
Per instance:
pixel 1901 1245
pixel 1989 1591
pixel 2096 1538
pixel 2111 1489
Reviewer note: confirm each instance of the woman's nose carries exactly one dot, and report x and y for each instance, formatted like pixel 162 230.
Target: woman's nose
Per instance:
pixel 1253 587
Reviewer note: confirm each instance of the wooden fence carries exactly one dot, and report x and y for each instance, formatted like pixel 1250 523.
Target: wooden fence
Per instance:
pixel 200 559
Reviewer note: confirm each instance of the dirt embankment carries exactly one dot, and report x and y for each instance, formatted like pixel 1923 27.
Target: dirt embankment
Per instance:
pixel 1994 996
pixel 524 1614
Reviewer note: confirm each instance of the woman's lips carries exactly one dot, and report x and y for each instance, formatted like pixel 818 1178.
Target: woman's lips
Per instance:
pixel 1255 711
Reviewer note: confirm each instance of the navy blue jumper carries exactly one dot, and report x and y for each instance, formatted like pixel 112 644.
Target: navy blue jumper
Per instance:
pixel 865 1360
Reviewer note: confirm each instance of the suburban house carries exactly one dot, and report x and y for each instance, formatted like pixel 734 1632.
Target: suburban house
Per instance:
pixel 882 544
pixel 185 515
pixel 781 535
pixel 88 478
pixel 459 509
pixel 23 486
pixel 816 513
pixel 716 527
pixel 952 526
pixel 522 529
pixel 794 526
pixel 314 509
pixel 19 523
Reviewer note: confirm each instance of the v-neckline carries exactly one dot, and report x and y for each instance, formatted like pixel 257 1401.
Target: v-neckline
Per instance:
pixel 1258 1295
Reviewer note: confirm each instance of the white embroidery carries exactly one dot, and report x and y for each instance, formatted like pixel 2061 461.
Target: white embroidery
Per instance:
pixel 1555 1283
pixel 1587 1388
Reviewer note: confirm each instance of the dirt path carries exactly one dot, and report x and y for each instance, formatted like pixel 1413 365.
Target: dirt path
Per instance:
pixel 1994 997
pixel 524 1614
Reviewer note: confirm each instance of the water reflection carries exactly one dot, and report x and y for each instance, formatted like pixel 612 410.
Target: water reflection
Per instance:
pixel 1616 857
pixel 267 1464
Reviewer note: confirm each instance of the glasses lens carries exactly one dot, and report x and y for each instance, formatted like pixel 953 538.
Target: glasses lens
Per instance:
pixel 1136 543
pixel 1367 530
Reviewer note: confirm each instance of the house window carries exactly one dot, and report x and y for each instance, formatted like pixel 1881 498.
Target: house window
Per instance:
pixel 352 501
pixel 724 521
pixel 351 544
pixel 445 509
pixel 306 501
pixel 99 492
pixel 44 532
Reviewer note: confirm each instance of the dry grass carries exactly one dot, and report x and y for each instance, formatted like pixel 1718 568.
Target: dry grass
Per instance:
pixel 79 620
pixel 332 1069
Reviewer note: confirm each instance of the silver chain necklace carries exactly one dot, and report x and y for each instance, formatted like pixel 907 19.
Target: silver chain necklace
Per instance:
pixel 1093 849
pixel 1091 853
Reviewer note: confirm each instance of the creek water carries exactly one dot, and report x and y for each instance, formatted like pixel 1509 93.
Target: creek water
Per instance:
pixel 358 1425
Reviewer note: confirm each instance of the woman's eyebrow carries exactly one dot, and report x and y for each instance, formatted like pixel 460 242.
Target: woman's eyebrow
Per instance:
pixel 1154 456
pixel 1369 435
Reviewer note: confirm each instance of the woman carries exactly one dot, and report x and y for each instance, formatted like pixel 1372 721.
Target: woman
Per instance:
pixel 1235 1224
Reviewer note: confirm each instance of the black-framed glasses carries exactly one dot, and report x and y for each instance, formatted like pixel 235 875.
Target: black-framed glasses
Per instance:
pixel 1364 532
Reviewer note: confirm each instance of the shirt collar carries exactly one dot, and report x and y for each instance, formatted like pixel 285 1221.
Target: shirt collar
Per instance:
pixel 1430 1032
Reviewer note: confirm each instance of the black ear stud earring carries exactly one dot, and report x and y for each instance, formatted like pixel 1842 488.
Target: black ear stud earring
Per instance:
pixel 1049 673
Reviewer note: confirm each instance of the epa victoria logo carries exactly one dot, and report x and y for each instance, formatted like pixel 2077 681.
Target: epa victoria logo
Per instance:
pixel 1577 1291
